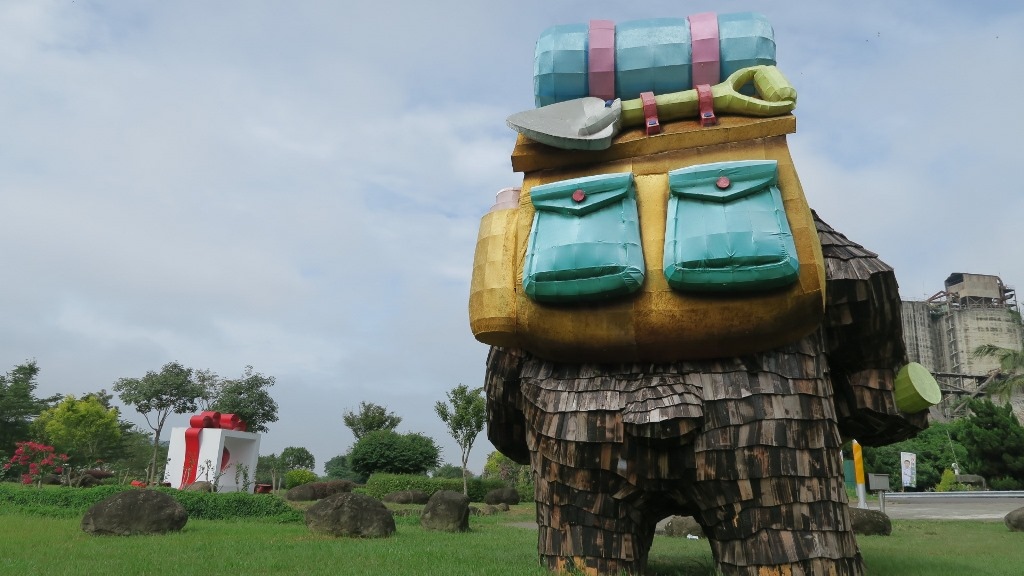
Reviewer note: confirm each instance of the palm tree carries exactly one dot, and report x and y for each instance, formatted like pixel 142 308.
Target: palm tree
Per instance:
pixel 1010 375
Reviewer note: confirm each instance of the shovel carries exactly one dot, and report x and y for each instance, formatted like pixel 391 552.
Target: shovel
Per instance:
pixel 590 123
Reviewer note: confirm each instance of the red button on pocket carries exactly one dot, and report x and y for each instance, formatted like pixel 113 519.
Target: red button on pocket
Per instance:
pixel 579 196
pixel 723 183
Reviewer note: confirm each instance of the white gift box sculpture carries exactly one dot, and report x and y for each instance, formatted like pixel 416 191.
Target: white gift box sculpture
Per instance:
pixel 214 448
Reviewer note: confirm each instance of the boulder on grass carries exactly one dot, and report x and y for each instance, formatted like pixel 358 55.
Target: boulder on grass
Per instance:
pixel 200 486
pixel 350 515
pixel 318 490
pixel 488 510
pixel 446 511
pixel 84 481
pixel 98 474
pixel 870 522
pixel 1015 520
pixel 504 495
pixel 135 512
pixel 683 526
pixel 407 497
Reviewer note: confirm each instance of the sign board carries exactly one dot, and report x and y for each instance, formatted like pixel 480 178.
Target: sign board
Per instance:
pixel 908 469
pixel 878 482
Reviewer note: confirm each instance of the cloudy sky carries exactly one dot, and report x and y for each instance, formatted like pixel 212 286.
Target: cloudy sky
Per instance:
pixel 297 186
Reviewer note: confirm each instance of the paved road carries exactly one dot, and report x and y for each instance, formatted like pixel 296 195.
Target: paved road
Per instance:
pixel 948 507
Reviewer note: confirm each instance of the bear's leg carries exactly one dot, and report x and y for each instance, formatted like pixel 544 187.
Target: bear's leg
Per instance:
pixel 590 521
pixel 794 527
pixel 768 476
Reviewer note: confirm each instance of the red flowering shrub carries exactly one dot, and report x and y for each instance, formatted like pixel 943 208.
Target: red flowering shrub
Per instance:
pixel 39 460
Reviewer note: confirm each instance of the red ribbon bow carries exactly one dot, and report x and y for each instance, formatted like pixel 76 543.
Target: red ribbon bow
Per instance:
pixel 208 419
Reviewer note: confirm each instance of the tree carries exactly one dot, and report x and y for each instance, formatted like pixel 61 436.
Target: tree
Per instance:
pixel 269 470
pixel 248 398
pixel 936 448
pixel 504 468
pixel 170 391
pixel 339 468
pixel 36 461
pixel 81 428
pixel 211 384
pixel 995 442
pixel 449 471
pixel 131 459
pixel 19 405
pixel 296 457
pixel 369 418
pixel 394 453
pixel 1010 377
pixel 465 419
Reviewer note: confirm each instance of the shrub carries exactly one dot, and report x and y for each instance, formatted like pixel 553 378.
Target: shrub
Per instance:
pixel 65 502
pixel 54 501
pixel 526 491
pixel 1005 483
pixel 319 490
pixel 393 453
pixel 233 505
pixel 949 483
pixel 378 485
pixel 298 477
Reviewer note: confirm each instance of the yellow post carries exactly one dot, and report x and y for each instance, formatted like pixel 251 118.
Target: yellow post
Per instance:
pixel 858 468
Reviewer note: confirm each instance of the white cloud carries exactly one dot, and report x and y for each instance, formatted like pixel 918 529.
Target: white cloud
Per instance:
pixel 298 186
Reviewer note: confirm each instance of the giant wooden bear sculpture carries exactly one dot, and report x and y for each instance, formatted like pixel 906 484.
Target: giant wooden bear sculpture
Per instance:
pixel 674 331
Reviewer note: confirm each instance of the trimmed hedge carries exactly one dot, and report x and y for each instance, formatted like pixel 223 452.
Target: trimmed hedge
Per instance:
pixel 232 505
pixel 299 477
pixel 65 502
pixel 378 485
pixel 318 490
pixel 58 501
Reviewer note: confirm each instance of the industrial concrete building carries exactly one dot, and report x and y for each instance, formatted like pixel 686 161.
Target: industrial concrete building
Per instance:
pixel 942 332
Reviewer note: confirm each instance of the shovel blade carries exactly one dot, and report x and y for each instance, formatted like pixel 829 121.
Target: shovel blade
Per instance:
pixel 580 124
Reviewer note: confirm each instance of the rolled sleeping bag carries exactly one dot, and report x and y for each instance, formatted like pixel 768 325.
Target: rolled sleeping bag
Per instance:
pixel 660 55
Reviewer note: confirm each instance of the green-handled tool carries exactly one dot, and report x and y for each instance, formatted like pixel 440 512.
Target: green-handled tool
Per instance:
pixel 590 123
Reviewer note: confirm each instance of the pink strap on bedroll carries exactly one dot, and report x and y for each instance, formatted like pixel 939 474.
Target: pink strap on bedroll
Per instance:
pixel 651 123
pixel 601 59
pixel 706 102
pixel 707 67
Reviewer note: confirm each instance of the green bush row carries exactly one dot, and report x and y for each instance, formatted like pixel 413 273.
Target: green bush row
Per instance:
pixel 64 502
pixel 232 505
pixel 58 498
pixel 379 485
pixel 299 477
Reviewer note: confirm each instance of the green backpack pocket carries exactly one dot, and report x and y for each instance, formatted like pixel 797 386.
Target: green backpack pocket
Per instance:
pixel 727 229
pixel 584 243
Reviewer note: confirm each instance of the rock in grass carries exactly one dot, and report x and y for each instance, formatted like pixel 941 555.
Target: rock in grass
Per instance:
pixel 135 512
pixel 352 516
pixel 870 522
pixel 318 490
pixel 446 511
pixel 1015 520
pixel 406 497
pixel 200 486
pixel 683 526
pixel 505 495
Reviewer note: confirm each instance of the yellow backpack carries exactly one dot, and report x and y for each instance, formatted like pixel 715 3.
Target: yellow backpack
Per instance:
pixel 548 280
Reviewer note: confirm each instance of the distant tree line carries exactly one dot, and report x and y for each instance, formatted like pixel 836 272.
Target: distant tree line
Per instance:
pixel 92 432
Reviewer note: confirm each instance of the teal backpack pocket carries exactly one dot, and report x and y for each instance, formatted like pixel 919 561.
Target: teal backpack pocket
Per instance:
pixel 727 229
pixel 584 243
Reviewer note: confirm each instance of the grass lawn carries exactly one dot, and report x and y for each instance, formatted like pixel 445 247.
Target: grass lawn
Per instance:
pixel 32 545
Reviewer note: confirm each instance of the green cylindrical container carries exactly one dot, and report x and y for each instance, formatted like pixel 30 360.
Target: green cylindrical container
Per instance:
pixel 916 389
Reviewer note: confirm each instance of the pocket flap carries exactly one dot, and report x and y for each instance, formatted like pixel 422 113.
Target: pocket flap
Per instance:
pixel 581 196
pixel 723 181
